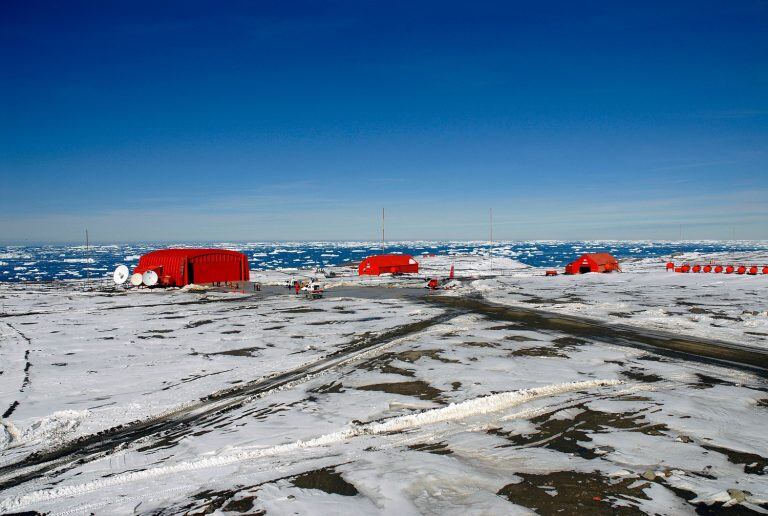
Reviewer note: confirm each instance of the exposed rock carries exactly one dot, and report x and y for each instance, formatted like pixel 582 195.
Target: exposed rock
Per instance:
pixel 737 495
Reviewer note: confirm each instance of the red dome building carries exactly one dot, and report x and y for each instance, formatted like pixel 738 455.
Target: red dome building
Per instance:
pixel 388 264
pixel 593 262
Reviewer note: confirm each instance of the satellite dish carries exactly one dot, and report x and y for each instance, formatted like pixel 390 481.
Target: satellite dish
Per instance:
pixel 150 278
pixel 136 279
pixel 121 274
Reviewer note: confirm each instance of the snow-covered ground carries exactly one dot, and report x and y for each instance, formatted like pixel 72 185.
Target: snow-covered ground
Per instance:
pixel 100 359
pixel 727 307
pixel 391 403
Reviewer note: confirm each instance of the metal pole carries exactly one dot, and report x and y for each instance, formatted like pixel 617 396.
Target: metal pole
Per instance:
pixel 490 249
pixel 491 213
pixel 87 254
pixel 382 229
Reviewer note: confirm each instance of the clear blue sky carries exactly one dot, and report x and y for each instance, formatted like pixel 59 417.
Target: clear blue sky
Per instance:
pixel 300 120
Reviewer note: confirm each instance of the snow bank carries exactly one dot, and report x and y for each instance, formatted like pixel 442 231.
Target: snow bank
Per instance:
pixel 50 430
pixel 455 411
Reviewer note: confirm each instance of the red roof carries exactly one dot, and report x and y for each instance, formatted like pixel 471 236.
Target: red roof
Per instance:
pixel 600 258
pixel 388 263
pixel 190 253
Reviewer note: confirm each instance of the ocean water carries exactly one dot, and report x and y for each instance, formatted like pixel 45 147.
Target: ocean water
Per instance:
pixel 61 262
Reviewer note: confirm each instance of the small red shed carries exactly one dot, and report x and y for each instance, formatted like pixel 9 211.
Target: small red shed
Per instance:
pixel 179 267
pixel 388 263
pixel 593 262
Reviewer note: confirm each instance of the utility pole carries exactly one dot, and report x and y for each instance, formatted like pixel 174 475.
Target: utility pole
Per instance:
pixel 382 229
pixel 491 219
pixel 87 254
pixel 490 249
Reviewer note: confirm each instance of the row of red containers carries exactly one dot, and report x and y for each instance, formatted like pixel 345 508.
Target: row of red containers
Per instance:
pixel 727 269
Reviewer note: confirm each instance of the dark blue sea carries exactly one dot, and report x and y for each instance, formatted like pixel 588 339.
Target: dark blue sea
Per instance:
pixel 61 262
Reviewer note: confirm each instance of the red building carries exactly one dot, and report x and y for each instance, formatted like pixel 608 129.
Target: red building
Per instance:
pixel 593 262
pixel 179 267
pixel 388 263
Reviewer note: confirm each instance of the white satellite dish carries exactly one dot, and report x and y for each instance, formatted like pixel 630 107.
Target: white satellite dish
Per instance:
pixel 121 274
pixel 136 279
pixel 150 278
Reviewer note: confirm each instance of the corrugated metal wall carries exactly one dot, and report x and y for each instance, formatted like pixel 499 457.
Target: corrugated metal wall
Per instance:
pixel 179 267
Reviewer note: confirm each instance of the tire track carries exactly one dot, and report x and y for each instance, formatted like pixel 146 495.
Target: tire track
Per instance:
pixel 91 447
pixel 677 346
pixel 27 365
pixel 202 301
pixel 453 412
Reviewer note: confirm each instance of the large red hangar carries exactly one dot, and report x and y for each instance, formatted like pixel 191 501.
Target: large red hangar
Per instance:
pixel 388 264
pixel 593 262
pixel 179 267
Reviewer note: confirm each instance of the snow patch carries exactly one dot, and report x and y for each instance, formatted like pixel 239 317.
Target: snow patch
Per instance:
pixel 52 429
pixel 452 412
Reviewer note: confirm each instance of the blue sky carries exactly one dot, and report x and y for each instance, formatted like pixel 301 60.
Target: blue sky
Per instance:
pixel 148 121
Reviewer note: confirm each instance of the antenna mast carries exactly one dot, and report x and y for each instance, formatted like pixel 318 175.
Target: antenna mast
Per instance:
pixel 87 254
pixel 490 249
pixel 382 229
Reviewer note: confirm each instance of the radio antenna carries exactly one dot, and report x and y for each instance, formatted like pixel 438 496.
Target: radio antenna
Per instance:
pixel 87 255
pixel 490 248
pixel 382 229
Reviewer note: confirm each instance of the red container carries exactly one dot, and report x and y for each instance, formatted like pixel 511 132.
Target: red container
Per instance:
pixel 752 270
pixel 718 269
pixel 670 266
pixel 696 268
pixel 685 268
pixel 765 269
pixel 707 268
pixel 741 270
pixel 729 269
